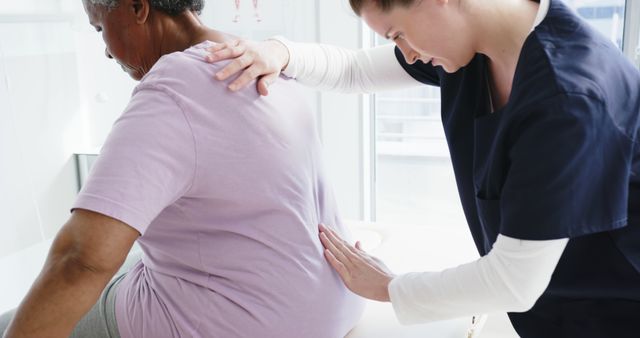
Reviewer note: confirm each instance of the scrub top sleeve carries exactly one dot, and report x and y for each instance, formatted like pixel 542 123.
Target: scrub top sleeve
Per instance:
pixel 568 172
pixel 146 164
pixel 423 72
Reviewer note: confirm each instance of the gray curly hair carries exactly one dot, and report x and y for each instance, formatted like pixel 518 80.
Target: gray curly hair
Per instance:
pixel 171 7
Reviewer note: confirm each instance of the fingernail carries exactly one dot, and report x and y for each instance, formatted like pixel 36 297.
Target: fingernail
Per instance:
pixel 233 88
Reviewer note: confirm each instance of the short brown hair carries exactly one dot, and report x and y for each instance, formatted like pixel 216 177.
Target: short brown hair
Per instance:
pixel 384 5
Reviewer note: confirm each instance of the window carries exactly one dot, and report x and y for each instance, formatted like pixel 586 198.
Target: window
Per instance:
pixel 636 53
pixel 414 178
pixel 607 16
pixel 414 181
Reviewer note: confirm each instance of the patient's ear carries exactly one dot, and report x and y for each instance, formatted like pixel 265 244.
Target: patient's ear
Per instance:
pixel 141 10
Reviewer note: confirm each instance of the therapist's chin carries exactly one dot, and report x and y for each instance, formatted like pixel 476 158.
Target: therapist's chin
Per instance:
pixel 448 65
pixel 449 68
pixel 451 65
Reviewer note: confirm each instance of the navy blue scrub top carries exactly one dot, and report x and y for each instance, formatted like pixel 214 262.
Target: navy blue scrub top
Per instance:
pixel 560 160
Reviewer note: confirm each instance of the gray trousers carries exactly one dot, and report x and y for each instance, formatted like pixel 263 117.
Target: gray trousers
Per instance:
pixel 100 321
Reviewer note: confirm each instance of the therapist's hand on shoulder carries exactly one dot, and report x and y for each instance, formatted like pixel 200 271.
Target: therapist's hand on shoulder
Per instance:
pixel 363 274
pixel 262 60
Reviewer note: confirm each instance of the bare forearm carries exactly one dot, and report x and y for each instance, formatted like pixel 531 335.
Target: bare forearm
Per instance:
pixel 62 294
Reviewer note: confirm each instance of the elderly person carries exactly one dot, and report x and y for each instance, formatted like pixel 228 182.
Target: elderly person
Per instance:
pixel 222 192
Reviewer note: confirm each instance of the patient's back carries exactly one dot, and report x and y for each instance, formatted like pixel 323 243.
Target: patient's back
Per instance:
pixel 227 190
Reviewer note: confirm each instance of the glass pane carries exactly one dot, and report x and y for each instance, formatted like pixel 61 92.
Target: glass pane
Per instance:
pixel 414 178
pixel 607 16
pixel 637 52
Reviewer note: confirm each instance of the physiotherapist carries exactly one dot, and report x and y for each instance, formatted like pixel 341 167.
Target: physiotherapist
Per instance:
pixel 541 115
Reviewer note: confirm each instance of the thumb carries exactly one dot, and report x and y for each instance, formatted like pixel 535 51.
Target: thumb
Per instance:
pixel 358 245
pixel 265 82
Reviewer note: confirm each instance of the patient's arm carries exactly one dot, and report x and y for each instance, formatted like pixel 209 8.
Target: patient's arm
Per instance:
pixel 84 256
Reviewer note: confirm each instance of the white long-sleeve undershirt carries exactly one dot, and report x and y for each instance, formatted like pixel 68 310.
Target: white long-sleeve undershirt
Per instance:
pixel 327 67
pixel 510 278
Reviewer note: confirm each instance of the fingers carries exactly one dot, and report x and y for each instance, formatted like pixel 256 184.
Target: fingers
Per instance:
pixel 335 251
pixel 340 248
pixel 227 50
pixel 356 256
pixel 246 77
pixel 252 60
pixel 234 66
pixel 358 271
pixel 337 265
pixel 340 243
pixel 221 46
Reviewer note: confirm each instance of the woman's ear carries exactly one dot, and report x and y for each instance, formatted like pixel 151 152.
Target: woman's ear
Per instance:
pixel 141 10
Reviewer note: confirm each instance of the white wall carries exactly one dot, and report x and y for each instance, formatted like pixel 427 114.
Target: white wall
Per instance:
pixel 51 68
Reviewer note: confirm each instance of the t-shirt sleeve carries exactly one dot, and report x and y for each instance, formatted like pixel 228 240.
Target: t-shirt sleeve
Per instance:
pixel 146 164
pixel 423 72
pixel 568 173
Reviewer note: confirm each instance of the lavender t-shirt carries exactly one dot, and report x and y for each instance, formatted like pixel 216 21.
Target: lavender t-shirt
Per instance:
pixel 226 190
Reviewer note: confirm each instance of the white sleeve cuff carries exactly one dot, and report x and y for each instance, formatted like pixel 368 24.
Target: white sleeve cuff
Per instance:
pixel 290 70
pixel 401 291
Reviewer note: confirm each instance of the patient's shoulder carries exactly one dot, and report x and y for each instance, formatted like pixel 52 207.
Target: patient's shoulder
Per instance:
pixel 179 71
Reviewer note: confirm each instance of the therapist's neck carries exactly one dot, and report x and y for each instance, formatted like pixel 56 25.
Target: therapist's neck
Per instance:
pixel 502 28
pixel 179 32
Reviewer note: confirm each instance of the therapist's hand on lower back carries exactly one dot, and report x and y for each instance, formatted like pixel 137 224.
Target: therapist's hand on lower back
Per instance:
pixel 263 60
pixel 362 273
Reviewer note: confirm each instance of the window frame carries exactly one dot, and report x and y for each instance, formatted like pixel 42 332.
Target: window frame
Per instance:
pixel 631 32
